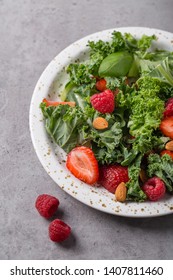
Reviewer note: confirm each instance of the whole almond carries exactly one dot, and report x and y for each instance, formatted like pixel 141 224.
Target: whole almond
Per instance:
pixel 100 123
pixel 121 192
pixel 169 146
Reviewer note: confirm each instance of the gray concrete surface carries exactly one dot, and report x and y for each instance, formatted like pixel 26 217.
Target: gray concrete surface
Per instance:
pixel 32 32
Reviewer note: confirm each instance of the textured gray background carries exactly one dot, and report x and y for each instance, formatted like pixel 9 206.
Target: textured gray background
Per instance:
pixel 31 33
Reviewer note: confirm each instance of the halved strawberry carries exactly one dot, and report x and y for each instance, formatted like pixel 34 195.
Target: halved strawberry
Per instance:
pixel 83 165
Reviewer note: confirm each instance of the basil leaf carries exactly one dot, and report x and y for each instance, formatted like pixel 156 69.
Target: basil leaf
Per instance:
pixel 116 65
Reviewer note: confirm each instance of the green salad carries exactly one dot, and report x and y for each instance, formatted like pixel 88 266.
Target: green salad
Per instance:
pixel 139 130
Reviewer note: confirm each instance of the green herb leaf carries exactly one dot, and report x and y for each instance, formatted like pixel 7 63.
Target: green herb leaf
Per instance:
pixel 134 191
pixel 162 167
pixel 116 65
pixel 63 124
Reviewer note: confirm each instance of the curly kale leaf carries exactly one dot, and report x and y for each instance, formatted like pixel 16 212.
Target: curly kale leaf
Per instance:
pixel 116 43
pixel 145 41
pixel 121 42
pixel 162 167
pixel 105 143
pixel 147 108
pixel 63 124
pixel 80 74
pixel 134 191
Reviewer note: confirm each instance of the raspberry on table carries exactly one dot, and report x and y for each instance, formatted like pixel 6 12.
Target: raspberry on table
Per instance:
pixel 59 231
pixel 111 176
pixel 154 188
pixel 168 112
pixel 103 102
pixel 46 205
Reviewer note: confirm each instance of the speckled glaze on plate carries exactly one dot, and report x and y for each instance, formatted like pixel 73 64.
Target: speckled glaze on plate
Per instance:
pixel 53 158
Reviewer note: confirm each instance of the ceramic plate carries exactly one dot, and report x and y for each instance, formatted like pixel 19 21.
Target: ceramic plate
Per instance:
pixel 53 157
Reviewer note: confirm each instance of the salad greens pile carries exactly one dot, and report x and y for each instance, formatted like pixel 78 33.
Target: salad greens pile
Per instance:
pixel 144 79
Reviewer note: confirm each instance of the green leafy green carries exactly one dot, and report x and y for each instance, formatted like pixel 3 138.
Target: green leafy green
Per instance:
pixel 134 191
pixel 163 72
pixel 146 108
pixel 80 74
pixel 105 142
pixel 145 111
pixel 134 69
pixel 63 124
pixel 121 42
pixel 104 157
pixel 112 83
pixel 144 43
pixel 116 65
pixel 78 98
pixel 71 126
pixel 162 167
pixel 117 43
pixel 157 69
pixel 159 55
pixel 68 87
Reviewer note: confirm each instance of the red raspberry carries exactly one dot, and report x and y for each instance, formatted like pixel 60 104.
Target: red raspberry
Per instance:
pixel 169 108
pixel 111 176
pixel 46 205
pixel 154 188
pixel 103 102
pixel 59 231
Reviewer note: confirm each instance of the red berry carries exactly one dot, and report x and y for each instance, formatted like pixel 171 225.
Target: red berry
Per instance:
pixel 83 165
pixel 59 231
pixel 154 188
pixel 103 102
pixel 46 205
pixel 169 108
pixel 101 85
pixel 111 176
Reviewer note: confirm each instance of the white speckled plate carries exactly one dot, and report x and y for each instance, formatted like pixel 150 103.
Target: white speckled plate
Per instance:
pixel 53 157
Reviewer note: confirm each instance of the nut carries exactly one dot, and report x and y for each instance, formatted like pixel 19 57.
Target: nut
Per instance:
pixel 121 192
pixel 143 176
pixel 100 123
pixel 169 146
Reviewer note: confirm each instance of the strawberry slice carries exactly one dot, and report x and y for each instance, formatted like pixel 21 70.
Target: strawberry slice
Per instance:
pixel 56 103
pixel 83 165
pixel 166 127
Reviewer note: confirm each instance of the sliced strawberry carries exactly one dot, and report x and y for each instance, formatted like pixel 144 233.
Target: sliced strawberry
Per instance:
pixel 166 127
pixel 56 103
pixel 83 165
